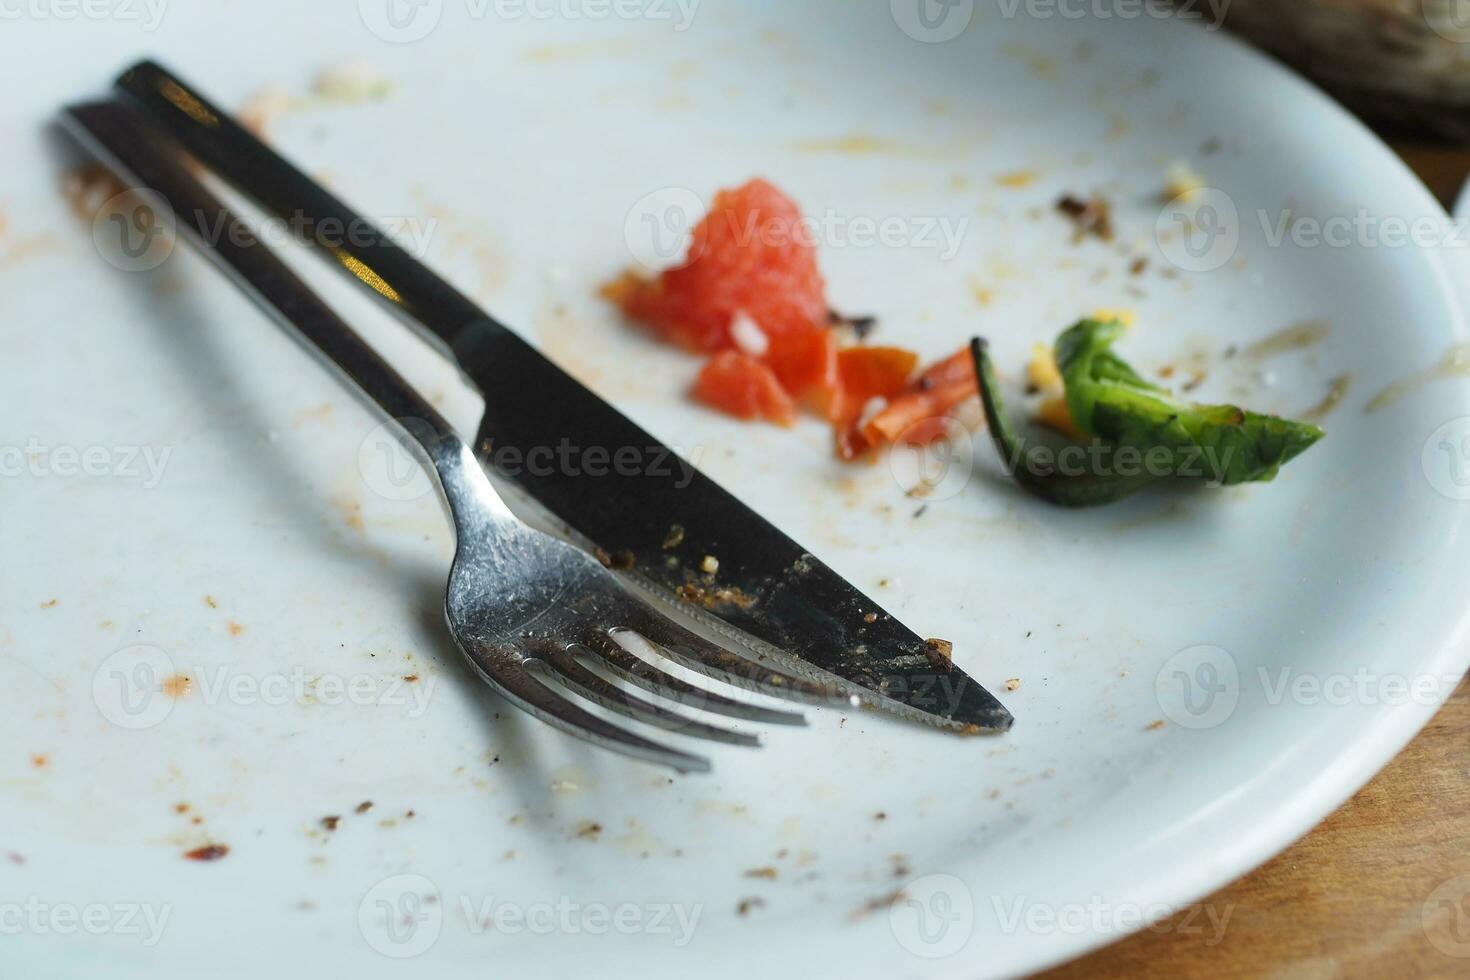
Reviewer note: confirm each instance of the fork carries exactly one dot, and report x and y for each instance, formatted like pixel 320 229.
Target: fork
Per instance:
pixel 527 609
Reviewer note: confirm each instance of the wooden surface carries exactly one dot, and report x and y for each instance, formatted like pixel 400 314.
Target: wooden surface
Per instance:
pixel 1375 890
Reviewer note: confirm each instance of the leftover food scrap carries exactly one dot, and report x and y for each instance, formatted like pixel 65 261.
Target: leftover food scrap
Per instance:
pixel 751 297
pixel 1140 431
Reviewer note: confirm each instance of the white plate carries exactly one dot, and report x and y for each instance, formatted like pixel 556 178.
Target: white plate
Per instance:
pixel 527 144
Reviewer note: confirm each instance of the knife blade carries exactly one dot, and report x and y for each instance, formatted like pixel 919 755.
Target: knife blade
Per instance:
pixel 649 511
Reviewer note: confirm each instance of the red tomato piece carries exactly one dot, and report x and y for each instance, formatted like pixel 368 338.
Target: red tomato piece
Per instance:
pixel 918 414
pixel 753 253
pixel 865 373
pixel 745 388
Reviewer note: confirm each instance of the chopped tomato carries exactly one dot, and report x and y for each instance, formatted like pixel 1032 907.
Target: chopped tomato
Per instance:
pixel 865 373
pixel 751 254
pixel 744 387
pixel 919 414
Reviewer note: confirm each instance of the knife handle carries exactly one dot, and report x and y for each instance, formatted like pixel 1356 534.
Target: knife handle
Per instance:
pixel 454 324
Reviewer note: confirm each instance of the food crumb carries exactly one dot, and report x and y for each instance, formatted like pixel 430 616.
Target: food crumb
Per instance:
pixel 39 761
pixel 675 537
pixel 1155 725
pixel 768 873
pixel 354 81
pixel 50 603
pixel 1013 684
pixel 940 654
pixel 264 108
pixel 871 617
pixel 364 806
pixel 1016 178
pixel 181 808
pixel 235 628
pixel 411 678
pixel 880 815
pixel 876 905
pixel 209 852
pixel 746 904
pixel 1042 373
pixel 1093 216
pixel 1181 182
pixel 209 601
pixel 177 686
pixel 330 823
pixel 589 829
pixel 710 565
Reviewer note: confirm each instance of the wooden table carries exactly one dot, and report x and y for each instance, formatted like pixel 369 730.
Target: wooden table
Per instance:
pixel 1350 898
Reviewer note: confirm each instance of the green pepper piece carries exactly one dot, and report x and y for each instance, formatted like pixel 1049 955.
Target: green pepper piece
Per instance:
pixel 1221 444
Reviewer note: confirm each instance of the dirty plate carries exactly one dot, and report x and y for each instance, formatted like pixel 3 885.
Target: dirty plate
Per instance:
pixel 235 728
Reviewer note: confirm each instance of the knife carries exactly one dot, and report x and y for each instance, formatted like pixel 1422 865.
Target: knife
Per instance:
pixel 673 531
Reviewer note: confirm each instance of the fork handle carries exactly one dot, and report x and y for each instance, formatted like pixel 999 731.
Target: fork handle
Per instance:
pixel 126 141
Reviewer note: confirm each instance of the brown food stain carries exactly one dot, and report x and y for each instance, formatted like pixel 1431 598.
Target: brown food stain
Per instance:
pixel 39 761
pixel 177 686
pixel 767 873
pixel 1154 725
pixel 589 830
pixel 876 905
pixel 317 413
pixel 492 267
pixel 50 603
pixel 209 852
pixel 209 601
pixel 235 628
pixel 1017 178
pixel 1337 390
pixel 746 904
pixel 88 188
pixel 1454 364
pixel 1298 336
pixel 351 510
pixel 364 806
pixel 330 823
pixel 29 248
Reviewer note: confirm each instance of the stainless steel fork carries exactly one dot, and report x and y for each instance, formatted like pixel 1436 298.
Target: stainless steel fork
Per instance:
pixel 524 607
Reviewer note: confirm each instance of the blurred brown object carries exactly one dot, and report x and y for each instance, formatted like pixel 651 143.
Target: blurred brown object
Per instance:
pixel 1403 65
